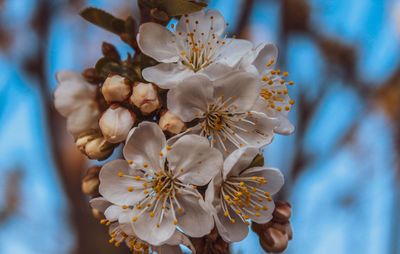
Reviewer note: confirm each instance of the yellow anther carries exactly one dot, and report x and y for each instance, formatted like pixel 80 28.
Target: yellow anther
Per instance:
pixel 233 221
pixel 260 200
pixel 255 178
pixel 183 53
pixel 175 222
pixel 137 178
pixel 257 208
pixel 139 207
pixel 138 246
pixel 130 162
pixel 169 148
pixel 270 82
pixel 179 209
pixel 269 199
pixel 265 78
pixel 145 165
pixel 226 214
pixel 227 197
pixel 291 102
pixel 146 192
pixel 120 174
pixel 247 223
pixel 279 108
pixel 286 74
pixel 145 185
pixel 282 81
pixel 182 170
pixel 246 217
pixel 230 203
pixel 287 108
pixel 199 197
pixel 254 189
pixel 241 183
pixel 158 225
pixel 108 223
pixel 111 240
pixel 273 72
pixel 161 153
pixel 151 214
pixel 257 214
pixel 117 244
pixel 124 207
pixel 291 83
pixel 103 221
pixel 239 193
pixel 194 187
pixel 265 208
pixel 238 211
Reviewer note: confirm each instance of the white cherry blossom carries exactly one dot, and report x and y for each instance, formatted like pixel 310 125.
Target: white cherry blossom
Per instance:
pixel 274 97
pixel 224 111
pixel 241 194
pixel 120 230
pixel 158 183
pixel 75 99
pixel 198 45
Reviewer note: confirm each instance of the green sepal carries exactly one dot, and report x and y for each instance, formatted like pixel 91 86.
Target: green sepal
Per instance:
pixel 258 161
pixel 106 66
pixel 104 20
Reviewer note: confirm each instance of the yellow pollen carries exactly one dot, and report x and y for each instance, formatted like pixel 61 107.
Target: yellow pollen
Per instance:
pixel 139 207
pixel 182 170
pixel 269 199
pixel 103 221
pixel 227 197
pixel 179 209
pixel 130 189
pixel 194 187
pixel 161 153
pixel 151 214
pixel 241 183
pixel 111 240
pixel 233 221
pixel 145 165
pixel 137 178
pixel 199 197
pixel 146 192
pixel 124 207
pixel 286 74
pixel 183 53
pixel 130 162
pixel 108 223
pixel 291 102
pixel 265 208
pixel 246 217
pixel 287 108
pixel 257 214
pixel 169 148
pixel 255 178
pixel 279 108
pixel 117 244
pixel 260 199
pixel 158 225
pixel 257 208
pixel 282 81
pixel 120 174
pixel 270 82
pixel 226 214
pixel 291 83
pixel 247 223
pixel 238 211
pixel 265 78
pixel 145 185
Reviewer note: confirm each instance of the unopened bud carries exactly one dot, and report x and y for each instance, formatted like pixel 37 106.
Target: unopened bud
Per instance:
pixel 145 97
pixel 171 123
pixel 99 149
pixel 116 88
pixel 282 212
pixel 274 240
pixel 116 122
pixel 91 76
pixel 84 138
pixel 110 51
pixel 90 183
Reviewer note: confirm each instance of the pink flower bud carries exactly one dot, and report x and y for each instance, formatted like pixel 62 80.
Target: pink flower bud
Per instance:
pixel 116 88
pixel 145 97
pixel 116 122
pixel 171 123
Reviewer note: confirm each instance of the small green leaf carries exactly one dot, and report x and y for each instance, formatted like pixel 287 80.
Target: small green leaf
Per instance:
pixel 258 161
pixel 180 7
pixel 104 20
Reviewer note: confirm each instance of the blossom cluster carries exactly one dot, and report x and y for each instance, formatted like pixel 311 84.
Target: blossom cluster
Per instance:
pixel 190 135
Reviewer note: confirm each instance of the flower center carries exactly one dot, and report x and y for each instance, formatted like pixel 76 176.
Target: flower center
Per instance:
pixel 160 189
pixel 243 196
pixel 196 48
pixel 274 90
pixel 224 121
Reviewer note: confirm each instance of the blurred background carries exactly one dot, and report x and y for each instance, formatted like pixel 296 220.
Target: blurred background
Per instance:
pixel 341 165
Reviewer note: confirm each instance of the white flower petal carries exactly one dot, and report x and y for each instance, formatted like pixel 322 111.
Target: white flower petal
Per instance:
pixel 234 51
pixel 195 220
pixel 124 221
pixel 145 146
pixel 239 160
pixel 193 161
pixel 179 238
pixel 272 175
pixel 114 188
pixel 155 41
pixel 145 227
pixel 264 53
pixel 241 86
pixel 112 212
pixel 99 204
pixel 190 98
pixel 216 70
pixel 115 123
pixel 167 75
pixel 83 119
pixel 231 232
pixel 72 92
pixel 204 23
